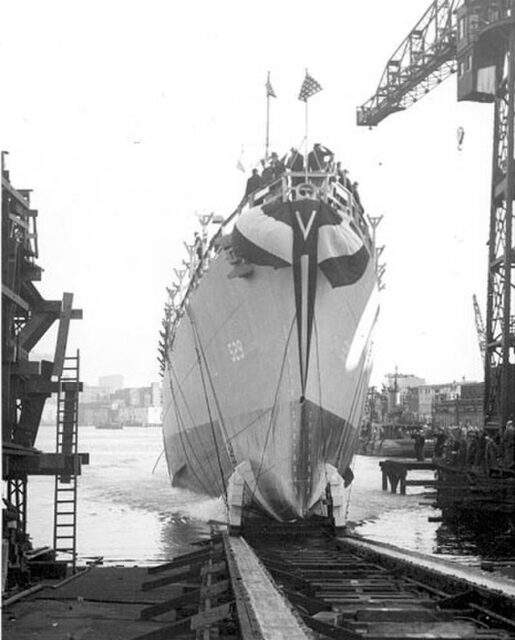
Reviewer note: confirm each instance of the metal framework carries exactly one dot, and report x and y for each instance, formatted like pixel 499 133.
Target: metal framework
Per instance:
pixel 27 383
pixel 479 38
pixel 500 354
pixel 480 328
pixel 424 59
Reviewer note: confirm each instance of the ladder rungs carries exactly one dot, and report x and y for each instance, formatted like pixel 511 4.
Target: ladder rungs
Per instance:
pixel 65 501
pixel 64 538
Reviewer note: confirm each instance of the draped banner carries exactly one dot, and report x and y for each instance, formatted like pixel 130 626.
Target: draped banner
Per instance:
pixel 264 235
pixel 305 234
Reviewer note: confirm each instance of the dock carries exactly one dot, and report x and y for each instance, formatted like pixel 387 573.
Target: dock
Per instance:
pixel 395 472
pixel 310 584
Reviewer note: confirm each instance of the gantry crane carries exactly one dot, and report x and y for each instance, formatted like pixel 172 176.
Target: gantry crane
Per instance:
pixel 480 327
pixel 477 40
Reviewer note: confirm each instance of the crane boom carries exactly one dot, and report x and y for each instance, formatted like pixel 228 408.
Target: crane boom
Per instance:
pixel 423 60
pixel 478 36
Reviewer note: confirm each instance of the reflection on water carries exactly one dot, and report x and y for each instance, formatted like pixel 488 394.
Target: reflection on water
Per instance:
pixel 130 515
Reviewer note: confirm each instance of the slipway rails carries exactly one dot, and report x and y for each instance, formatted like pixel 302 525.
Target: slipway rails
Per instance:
pixel 286 581
pixel 273 582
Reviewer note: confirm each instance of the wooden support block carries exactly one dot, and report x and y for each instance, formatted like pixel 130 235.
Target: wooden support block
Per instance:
pixel 176 575
pixel 216 567
pixel 210 616
pixel 185 559
pixel 191 597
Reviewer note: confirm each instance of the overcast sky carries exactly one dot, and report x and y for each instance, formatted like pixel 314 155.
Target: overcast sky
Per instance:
pixel 126 118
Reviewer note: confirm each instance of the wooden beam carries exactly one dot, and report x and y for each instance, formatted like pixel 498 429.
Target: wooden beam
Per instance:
pixel 35 329
pixel 46 464
pixel 62 334
pixel 15 193
pixel 14 297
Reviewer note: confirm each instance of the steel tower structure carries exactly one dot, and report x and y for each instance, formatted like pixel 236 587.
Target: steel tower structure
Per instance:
pixel 477 40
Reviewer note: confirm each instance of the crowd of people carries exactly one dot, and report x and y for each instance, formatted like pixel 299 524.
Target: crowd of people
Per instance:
pixel 319 159
pixel 457 446
pixel 474 448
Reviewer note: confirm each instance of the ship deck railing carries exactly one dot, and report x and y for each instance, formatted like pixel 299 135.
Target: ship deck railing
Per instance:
pixel 320 185
pixel 289 187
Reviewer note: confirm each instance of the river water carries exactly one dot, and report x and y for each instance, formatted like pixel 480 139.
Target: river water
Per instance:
pixel 129 513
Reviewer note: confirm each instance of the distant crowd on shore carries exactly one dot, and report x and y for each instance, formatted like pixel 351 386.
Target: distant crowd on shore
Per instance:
pixel 320 158
pixel 458 446
pixel 475 448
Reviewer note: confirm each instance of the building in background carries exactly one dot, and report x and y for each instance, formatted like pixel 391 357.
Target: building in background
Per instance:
pixel 407 400
pixel 109 405
pixel 112 383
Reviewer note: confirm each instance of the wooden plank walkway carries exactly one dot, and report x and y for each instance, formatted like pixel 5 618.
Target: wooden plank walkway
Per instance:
pixel 395 472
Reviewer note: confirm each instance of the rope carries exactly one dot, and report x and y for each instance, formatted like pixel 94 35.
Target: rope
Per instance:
pixel 182 432
pixel 209 411
pixel 190 415
pixel 319 380
pixel 272 416
pixel 157 461
pixel 230 451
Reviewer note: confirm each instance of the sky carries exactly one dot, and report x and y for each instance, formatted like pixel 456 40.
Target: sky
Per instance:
pixel 128 118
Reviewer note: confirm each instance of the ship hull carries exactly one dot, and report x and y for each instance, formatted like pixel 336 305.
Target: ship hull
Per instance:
pixel 237 389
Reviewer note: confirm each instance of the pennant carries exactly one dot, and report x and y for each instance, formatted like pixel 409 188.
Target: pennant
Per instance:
pixel 309 87
pixel 239 164
pixel 270 93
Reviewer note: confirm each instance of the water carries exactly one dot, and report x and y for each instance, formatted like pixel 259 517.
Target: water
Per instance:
pixel 129 515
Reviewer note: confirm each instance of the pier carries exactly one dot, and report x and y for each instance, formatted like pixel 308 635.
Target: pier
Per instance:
pixel 394 472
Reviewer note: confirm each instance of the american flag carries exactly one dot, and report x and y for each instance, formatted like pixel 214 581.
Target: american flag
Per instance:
pixel 269 89
pixel 309 87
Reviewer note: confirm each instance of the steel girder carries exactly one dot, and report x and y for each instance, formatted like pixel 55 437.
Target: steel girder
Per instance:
pixel 424 59
pixel 500 342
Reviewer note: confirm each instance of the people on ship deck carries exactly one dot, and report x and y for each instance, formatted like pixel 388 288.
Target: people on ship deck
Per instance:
pixel 254 182
pixel 293 160
pixel 267 175
pixel 198 245
pixel 355 193
pixel 277 166
pixel 319 158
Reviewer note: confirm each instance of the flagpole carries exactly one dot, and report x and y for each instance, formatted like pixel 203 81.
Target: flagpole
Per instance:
pixel 306 138
pixel 267 143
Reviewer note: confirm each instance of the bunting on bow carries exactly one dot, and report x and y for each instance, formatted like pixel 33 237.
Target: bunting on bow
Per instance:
pixel 309 87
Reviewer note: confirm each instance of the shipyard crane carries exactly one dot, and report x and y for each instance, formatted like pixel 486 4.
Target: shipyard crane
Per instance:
pixel 477 40
pixel 480 327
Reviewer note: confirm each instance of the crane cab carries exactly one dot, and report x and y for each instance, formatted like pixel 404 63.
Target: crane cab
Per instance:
pixel 479 52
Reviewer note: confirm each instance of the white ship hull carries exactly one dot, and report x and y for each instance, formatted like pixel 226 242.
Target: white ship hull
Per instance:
pixel 255 376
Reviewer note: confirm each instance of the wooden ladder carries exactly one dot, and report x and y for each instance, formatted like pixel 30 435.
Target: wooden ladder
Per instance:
pixel 65 496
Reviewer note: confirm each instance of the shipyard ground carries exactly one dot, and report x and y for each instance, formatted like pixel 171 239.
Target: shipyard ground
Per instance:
pixel 341 588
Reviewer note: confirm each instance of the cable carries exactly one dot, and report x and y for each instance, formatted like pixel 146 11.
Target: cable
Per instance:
pixel 183 433
pixel 224 484
pixel 190 415
pixel 319 379
pixel 225 434
pixel 157 461
pixel 272 416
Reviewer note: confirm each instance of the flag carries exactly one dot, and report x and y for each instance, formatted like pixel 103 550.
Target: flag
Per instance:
pixel 269 89
pixel 239 164
pixel 309 87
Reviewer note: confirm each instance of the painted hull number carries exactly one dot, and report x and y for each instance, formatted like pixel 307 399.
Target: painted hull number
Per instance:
pixel 235 349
